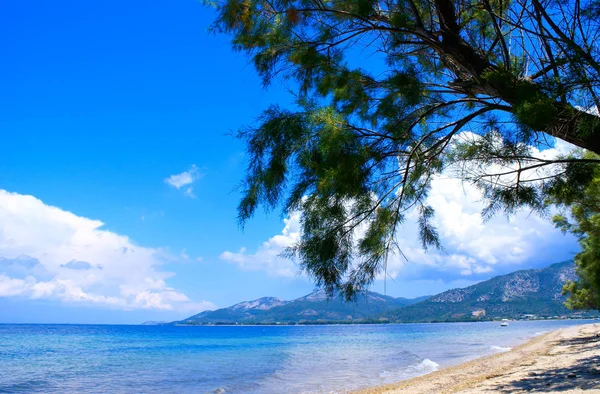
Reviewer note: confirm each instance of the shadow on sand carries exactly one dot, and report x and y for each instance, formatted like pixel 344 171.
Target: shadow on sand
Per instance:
pixel 584 375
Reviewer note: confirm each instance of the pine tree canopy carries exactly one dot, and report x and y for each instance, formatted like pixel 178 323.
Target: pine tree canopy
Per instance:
pixel 385 91
pixel 583 201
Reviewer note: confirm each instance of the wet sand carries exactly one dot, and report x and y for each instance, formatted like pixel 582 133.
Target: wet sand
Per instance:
pixel 566 361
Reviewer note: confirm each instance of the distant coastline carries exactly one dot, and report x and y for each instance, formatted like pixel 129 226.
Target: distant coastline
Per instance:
pixel 592 316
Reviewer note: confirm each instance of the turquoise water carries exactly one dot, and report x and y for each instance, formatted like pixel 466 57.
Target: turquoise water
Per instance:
pixel 250 359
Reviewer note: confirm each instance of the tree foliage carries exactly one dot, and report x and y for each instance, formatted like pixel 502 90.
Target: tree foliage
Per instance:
pixel 383 90
pixel 582 196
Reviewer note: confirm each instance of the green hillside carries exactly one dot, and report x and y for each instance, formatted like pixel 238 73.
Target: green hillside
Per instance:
pixel 527 292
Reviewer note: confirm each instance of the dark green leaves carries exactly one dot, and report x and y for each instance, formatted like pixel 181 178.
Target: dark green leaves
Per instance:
pixel 427 231
pixel 408 86
pixel 270 146
pixel 383 90
pixel 580 191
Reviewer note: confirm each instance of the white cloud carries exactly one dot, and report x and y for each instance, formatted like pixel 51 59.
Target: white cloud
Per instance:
pixel 11 287
pixel 185 180
pixel 267 257
pixel 472 248
pixel 46 252
pixel 189 192
pixel 183 255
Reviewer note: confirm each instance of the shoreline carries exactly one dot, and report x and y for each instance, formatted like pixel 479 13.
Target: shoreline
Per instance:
pixel 565 360
pixel 340 324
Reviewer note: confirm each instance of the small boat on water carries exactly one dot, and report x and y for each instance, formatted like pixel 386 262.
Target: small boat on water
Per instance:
pixel 504 323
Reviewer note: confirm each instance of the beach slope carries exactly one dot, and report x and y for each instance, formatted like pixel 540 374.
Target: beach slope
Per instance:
pixel 566 361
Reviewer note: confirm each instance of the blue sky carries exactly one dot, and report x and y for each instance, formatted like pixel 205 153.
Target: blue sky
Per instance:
pixel 110 112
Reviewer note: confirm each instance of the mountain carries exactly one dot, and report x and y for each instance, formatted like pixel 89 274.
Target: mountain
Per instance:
pixel 535 292
pixel 312 308
pixel 527 292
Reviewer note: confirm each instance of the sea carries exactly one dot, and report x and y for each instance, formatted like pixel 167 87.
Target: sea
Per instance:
pixel 242 359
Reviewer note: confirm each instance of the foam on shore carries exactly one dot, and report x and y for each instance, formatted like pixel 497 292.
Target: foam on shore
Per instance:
pixel 500 348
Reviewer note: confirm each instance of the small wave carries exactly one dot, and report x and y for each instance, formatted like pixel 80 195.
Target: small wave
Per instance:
pixel 500 348
pixel 428 365
pixel 540 333
pixel 423 367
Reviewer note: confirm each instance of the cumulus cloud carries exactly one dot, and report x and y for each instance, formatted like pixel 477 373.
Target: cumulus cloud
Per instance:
pixel 77 265
pixel 267 257
pixel 185 180
pixel 472 248
pixel 46 252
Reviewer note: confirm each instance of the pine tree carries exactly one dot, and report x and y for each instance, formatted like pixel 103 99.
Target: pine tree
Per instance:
pixel 581 195
pixel 384 90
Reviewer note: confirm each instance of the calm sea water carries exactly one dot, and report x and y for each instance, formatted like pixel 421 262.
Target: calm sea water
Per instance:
pixel 291 359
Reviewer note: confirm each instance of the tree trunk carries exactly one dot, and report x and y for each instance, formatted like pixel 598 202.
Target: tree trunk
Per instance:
pixel 478 76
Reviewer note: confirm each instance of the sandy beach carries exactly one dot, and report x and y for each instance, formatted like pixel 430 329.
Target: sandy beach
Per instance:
pixel 566 361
